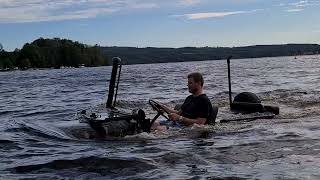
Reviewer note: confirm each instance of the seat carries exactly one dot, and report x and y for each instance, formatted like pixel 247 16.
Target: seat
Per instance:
pixel 213 115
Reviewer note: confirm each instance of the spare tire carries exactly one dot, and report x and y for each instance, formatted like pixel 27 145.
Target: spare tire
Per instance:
pixel 247 97
pixel 246 102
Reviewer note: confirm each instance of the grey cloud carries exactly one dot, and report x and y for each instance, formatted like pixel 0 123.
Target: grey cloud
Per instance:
pixel 15 11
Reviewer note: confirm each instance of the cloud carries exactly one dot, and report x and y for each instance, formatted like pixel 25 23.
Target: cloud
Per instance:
pixel 300 5
pixel 294 10
pixel 190 2
pixel 20 11
pixel 17 11
pixel 206 15
pixel 29 16
pixel 211 15
pixel 144 6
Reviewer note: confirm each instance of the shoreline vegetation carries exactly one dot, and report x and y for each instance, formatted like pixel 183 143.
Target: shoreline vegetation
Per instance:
pixel 63 53
pixel 52 53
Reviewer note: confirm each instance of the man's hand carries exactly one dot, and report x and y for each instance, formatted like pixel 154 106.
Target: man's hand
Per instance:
pixel 174 116
pixel 164 108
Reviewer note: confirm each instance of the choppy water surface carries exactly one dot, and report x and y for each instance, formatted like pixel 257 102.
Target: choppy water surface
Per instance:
pixel 41 136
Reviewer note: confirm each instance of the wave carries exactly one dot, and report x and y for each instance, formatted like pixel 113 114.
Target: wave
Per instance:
pixel 113 167
pixel 6 112
pixel 4 141
pixel 41 130
pixel 51 112
pixel 9 145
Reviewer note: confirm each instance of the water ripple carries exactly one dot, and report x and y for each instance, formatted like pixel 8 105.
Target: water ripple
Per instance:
pixel 41 136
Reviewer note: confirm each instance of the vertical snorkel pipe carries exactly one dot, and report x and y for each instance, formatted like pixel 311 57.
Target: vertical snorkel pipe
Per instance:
pixel 116 64
pixel 118 81
pixel 229 80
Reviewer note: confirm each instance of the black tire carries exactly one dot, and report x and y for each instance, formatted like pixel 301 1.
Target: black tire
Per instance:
pixel 274 109
pixel 247 97
pixel 246 102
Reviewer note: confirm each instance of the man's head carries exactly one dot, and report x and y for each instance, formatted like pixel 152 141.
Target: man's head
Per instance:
pixel 195 82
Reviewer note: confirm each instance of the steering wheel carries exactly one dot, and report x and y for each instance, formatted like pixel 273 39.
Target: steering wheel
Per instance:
pixel 157 107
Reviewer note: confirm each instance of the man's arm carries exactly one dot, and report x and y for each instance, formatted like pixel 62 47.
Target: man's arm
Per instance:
pixel 187 121
pixel 169 110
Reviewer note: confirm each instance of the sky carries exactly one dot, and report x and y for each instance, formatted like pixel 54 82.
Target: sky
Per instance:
pixel 160 23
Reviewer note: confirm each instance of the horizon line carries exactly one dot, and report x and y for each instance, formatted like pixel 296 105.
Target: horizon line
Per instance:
pixel 141 47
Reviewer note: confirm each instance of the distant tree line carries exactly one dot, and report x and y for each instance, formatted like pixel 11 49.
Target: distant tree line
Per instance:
pixel 48 53
pixel 132 55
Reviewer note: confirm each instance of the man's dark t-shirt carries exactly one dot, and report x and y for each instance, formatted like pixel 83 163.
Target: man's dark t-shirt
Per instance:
pixel 197 107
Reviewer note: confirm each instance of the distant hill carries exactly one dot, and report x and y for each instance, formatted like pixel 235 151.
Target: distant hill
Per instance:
pixel 132 55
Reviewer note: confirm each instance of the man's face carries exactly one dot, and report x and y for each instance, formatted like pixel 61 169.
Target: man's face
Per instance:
pixel 192 85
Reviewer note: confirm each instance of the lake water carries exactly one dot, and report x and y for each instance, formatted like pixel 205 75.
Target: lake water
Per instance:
pixel 41 137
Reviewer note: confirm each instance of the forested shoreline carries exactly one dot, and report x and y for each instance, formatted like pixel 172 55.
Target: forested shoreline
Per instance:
pixel 57 53
pixel 53 53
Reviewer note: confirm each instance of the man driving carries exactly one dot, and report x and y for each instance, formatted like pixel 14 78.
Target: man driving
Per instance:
pixel 196 109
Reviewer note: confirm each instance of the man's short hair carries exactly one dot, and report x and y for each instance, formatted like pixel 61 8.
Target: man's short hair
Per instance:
pixel 197 77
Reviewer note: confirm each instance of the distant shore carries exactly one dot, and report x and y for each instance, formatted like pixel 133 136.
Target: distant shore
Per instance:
pixel 148 55
pixel 64 53
pixel 17 69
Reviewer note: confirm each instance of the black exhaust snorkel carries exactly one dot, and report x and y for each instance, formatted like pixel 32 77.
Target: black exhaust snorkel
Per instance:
pixel 117 122
pixel 116 69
